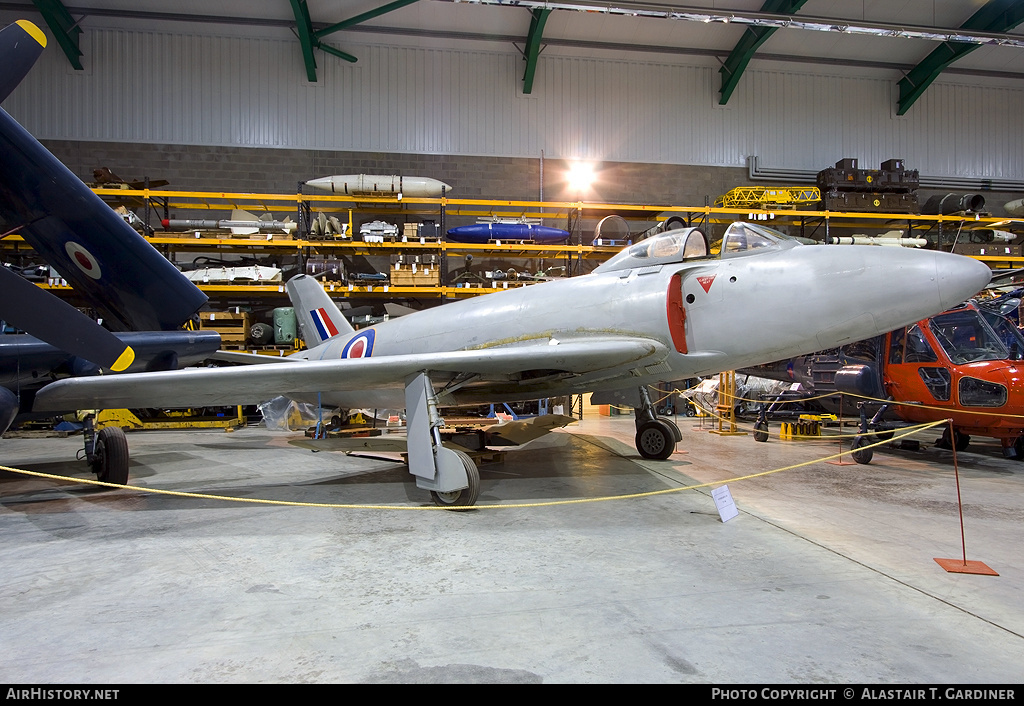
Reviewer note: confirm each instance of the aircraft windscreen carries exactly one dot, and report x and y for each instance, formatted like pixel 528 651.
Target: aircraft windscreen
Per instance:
pixel 665 248
pixel 966 338
pixel 1009 334
pixel 745 238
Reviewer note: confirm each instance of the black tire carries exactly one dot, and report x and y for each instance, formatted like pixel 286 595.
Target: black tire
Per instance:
pixel 959 440
pixel 465 498
pixel 761 431
pixel 111 456
pixel 655 440
pixel 859 454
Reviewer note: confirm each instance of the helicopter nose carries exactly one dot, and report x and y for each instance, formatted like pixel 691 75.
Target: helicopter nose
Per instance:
pixel 958 277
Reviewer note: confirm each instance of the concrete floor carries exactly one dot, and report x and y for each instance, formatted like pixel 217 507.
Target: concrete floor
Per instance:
pixel 827 575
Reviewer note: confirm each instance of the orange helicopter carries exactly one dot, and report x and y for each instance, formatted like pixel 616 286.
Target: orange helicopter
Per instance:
pixel 965 364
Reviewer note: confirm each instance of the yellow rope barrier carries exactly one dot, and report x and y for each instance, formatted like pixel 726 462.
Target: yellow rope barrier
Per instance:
pixel 553 503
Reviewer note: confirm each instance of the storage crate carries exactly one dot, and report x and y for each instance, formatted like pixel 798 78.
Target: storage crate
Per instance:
pixel 415 276
pixel 869 202
pixel 232 327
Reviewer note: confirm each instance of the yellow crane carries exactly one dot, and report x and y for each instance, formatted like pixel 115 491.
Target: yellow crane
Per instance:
pixel 769 197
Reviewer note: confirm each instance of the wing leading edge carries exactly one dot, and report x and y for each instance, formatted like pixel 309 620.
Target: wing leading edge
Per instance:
pixel 253 384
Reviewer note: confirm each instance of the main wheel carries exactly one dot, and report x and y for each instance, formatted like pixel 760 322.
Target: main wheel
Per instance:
pixel 959 440
pixel 110 463
pixel 465 497
pixel 655 440
pixel 859 454
pixel 761 431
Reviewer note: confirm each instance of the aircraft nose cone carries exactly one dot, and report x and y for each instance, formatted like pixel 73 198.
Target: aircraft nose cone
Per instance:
pixel 959 277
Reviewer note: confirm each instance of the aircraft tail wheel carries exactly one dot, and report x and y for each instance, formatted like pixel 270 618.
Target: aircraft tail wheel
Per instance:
pixel 458 499
pixel 110 463
pixel 761 431
pixel 861 455
pixel 655 440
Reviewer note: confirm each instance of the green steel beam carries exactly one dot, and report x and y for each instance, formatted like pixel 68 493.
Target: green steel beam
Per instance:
pixel 540 17
pixel 752 39
pixel 369 15
pixel 995 16
pixel 65 29
pixel 304 25
pixel 336 52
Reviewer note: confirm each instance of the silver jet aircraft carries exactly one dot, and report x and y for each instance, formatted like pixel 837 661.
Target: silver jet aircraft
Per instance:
pixel 663 309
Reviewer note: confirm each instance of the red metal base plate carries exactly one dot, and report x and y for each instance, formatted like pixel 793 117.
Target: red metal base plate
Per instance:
pixel 958 566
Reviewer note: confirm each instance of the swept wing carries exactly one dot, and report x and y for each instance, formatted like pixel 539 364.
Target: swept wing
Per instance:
pixel 256 383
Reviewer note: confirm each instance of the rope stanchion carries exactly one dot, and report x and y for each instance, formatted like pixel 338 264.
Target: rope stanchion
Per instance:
pixel 963 566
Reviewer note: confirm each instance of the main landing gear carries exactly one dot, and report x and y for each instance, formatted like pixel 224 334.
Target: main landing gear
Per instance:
pixel 106 451
pixel 656 437
pixel 450 475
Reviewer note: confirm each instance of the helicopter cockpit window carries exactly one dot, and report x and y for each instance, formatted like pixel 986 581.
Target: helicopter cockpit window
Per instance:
pixel 908 345
pixel 1009 334
pixel 966 338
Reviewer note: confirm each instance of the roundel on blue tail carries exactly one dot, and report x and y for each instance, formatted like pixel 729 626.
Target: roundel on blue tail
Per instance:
pixel 360 345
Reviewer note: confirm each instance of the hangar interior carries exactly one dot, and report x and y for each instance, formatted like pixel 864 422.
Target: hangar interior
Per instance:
pixel 776 521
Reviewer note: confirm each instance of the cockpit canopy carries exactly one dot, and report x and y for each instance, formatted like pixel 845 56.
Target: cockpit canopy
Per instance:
pixel 681 244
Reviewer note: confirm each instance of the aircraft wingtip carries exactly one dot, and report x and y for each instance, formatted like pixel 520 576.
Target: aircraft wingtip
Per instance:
pixel 33 31
pixel 124 360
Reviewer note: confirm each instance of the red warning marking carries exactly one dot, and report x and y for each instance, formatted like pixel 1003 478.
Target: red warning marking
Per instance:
pixel 705 282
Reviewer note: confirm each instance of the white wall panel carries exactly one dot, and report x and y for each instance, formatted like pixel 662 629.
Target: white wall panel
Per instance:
pixel 164 88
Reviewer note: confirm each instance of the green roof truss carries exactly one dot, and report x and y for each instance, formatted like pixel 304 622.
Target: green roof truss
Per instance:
pixel 995 16
pixel 752 39
pixel 65 30
pixel 532 53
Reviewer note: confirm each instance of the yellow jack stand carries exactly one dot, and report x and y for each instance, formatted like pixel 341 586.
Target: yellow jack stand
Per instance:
pixel 725 410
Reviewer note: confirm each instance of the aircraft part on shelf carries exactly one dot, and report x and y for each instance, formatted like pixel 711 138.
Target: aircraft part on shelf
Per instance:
pixel 878 240
pixel 324 226
pixel 953 203
pixel 376 185
pixel 241 223
pixel 1015 208
pixel 497 231
pixel 256 273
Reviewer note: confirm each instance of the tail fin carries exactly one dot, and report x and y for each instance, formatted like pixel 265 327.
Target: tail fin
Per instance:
pixel 319 318
pixel 20 45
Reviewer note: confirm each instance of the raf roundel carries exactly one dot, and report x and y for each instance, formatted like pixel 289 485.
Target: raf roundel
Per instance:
pixel 83 259
pixel 361 346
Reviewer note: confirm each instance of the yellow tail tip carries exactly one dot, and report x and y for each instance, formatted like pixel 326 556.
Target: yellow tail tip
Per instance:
pixel 124 360
pixel 33 31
